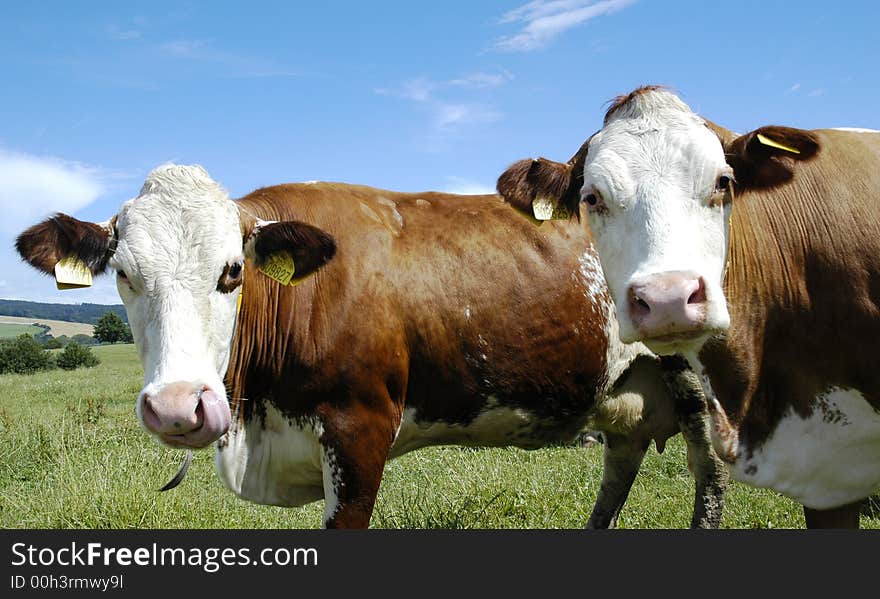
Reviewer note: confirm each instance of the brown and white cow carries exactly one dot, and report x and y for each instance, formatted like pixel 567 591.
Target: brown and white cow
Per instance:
pixel 430 319
pixel 757 257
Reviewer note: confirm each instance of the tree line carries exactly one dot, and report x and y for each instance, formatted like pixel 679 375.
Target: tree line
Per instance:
pixel 87 313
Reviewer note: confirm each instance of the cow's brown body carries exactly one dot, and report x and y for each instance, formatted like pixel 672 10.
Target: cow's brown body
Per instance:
pixel 437 311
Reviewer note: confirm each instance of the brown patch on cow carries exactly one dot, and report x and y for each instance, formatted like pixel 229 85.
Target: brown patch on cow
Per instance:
pixel 310 247
pixel 624 100
pixel 45 244
pixel 529 179
pixel 758 166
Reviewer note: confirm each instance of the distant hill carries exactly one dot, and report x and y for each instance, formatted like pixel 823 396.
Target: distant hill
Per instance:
pixel 87 313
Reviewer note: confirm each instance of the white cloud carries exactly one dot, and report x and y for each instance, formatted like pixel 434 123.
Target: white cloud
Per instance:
pixel 794 88
pixel 816 93
pixel 448 116
pixel 466 187
pixel 481 80
pixel 235 65
pixel 542 21
pixel 33 186
pixel 119 34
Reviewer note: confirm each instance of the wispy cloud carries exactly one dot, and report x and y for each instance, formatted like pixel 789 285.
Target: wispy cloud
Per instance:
pixel 464 186
pixel 448 114
pixel 236 64
pixel 816 93
pixel 482 80
pixel 542 21
pixel 117 33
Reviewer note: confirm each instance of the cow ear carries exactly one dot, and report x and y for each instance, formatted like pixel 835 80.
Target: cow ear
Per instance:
pixel 62 236
pixel 541 179
pixel 536 179
pixel 308 246
pixel 766 157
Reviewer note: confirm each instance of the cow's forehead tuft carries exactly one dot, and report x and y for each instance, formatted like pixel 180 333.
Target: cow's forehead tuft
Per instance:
pixel 182 182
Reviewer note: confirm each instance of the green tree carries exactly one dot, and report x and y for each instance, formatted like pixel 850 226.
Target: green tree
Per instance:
pixel 112 329
pixel 75 355
pixel 53 343
pixel 81 339
pixel 24 356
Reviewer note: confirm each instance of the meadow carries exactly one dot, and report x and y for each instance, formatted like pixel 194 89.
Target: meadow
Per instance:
pixel 72 455
pixel 11 331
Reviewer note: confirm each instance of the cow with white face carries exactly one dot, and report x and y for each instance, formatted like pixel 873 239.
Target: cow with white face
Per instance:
pixel 754 256
pixel 178 252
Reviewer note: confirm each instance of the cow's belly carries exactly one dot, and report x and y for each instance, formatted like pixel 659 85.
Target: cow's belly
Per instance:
pixel 827 460
pixel 276 461
pixel 495 426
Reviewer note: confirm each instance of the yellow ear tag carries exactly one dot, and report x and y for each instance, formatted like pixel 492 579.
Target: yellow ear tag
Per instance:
pixel 775 144
pixel 72 273
pixel 238 304
pixel 279 267
pixel 547 209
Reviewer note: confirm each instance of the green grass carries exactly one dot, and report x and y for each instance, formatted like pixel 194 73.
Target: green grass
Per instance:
pixel 11 331
pixel 72 455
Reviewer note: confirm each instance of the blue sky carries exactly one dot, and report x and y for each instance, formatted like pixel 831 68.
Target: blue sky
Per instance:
pixel 403 95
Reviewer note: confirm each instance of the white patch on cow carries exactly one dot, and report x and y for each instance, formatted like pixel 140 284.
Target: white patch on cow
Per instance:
pixel 395 220
pixel 276 461
pixel 312 182
pixel 332 476
pixel 855 130
pixel 173 241
pixel 829 459
pixel 619 355
pixel 656 165
pixel 592 276
pixel 494 426
pixel 467 312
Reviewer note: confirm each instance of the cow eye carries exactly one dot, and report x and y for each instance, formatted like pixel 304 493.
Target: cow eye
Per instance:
pixel 593 200
pixel 121 274
pixel 724 182
pixel 230 278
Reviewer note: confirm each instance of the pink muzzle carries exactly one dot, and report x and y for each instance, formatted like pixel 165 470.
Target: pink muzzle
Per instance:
pixel 668 305
pixel 184 414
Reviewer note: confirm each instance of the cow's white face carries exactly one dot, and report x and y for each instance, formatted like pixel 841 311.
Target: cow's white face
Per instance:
pixel 177 251
pixel 179 245
pixel 655 186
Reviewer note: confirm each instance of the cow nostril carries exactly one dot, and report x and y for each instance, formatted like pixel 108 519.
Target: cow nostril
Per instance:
pixel 641 303
pixel 698 296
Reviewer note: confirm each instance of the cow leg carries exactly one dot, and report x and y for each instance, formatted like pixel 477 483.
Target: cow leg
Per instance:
pixel 841 517
pixel 710 473
pixel 623 457
pixel 354 449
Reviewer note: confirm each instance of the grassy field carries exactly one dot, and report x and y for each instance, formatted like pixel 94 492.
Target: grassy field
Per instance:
pixel 56 327
pixel 72 455
pixel 11 331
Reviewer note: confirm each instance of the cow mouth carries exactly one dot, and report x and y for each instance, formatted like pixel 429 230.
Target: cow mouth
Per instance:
pixel 677 342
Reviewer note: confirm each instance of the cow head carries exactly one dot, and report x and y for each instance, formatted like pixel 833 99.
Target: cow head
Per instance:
pixel 177 251
pixel 658 183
